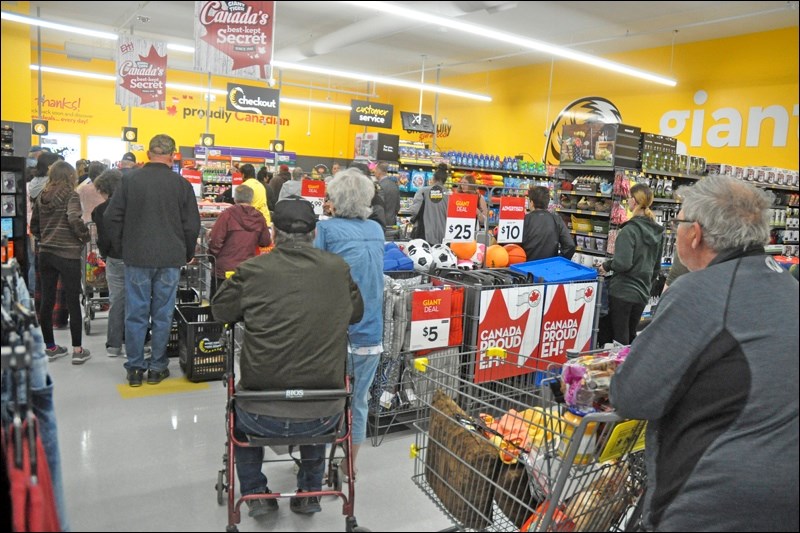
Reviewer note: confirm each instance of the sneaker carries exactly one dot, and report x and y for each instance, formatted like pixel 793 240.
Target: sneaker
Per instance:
pixel 154 377
pixel 135 376
pixel 115 352
pixel 56 353
pixel 78 358
pixel 305 505
pixel 262 507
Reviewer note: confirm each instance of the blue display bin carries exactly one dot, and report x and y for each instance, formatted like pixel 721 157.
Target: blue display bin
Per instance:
pixel 555 270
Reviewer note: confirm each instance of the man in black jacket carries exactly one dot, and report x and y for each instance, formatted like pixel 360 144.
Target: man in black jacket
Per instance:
pixel 153 218
pixel 297 303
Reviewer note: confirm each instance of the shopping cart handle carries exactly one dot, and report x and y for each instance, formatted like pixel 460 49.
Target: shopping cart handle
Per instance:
pixel 294 394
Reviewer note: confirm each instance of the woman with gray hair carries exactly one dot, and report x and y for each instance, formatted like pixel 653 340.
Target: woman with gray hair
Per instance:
pixel 359 241
pixel 293 187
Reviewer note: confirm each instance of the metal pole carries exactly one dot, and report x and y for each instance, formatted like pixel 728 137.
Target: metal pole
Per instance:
pixel 436 109
pixel 39 61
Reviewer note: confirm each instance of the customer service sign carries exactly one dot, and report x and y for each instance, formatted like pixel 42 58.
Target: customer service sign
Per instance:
pixel 536 325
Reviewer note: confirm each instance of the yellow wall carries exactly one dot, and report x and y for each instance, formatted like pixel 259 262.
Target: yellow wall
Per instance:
pixel 738 74
pixel 14 69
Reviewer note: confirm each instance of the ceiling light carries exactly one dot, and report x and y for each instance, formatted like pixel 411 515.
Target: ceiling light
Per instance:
pixel 312 103
pixel 380 79
pixel 12 17
pixel 517 40
pixel 187 88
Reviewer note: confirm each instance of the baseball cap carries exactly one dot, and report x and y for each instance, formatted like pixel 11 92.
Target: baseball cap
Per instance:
pixel 129 157
pixel 283 168
pixel 162 144
pixel 37 148
pixel 294 215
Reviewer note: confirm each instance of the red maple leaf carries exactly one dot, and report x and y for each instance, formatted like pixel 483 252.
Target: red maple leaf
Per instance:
pixel 154 84
pixel 534 297
pixel 498 328
pixel 172 110
pixel 589 292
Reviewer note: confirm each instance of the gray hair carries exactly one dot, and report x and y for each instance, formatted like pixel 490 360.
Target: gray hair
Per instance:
pixel 351 192
pixel 297 174
pixel 243 195
pixel 732 213
pixel 283 237
pixel 107 182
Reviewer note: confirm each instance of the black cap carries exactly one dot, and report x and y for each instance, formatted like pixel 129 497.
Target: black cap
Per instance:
pixel 129 157
pixel 294 215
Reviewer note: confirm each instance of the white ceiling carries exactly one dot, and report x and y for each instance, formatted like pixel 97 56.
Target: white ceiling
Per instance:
pixel 336 35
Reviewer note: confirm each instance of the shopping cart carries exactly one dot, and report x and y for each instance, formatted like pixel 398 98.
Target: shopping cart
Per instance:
pixel 94 286
pixel 506 455
pixel 340 442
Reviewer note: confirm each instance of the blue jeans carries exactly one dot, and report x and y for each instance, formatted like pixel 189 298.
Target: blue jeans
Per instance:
pixel 312 456
pixel 363 369
pixel 149 301
pixel 42 401
pixel 115 276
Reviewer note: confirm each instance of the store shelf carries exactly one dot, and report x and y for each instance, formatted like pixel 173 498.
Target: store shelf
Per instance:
pixel 584 212
pixel 579 193
pixel 591 234
pixel 665 174
pixel 666 201
pixel 588 251
pixel 597 168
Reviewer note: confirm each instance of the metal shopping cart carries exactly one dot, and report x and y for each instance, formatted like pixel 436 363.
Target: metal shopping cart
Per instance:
pixel 339 441
pixel 94 286
pixel 506 455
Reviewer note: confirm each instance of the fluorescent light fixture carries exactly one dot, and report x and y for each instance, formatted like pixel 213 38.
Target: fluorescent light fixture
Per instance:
pixel 13 17
pixel 380 79
pixel 187 88
pixel 517 40
pixel 180 48
pixel 312 103
pixel 76 73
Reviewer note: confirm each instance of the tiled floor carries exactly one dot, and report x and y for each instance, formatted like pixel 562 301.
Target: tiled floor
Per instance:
pixel 147 459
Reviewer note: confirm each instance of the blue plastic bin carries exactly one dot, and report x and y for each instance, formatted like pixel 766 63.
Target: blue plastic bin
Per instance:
pixel 555 270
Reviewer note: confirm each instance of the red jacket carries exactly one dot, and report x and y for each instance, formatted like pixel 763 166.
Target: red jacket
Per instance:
pixel 235 236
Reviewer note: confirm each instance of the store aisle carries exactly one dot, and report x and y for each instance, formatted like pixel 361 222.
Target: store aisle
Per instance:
pixel 149 462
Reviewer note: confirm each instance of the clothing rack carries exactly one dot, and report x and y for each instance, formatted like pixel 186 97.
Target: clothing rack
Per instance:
pixel 30 497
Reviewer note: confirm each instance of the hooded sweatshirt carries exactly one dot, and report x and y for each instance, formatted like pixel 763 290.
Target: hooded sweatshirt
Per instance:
pixel 56 223
pixel 235 236
pixel 637 260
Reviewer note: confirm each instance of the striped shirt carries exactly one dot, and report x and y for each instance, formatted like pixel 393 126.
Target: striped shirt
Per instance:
pixel 56 223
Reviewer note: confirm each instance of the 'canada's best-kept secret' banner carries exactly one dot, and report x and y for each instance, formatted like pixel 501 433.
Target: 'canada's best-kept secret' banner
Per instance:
pixel 371 114
pixel 234 38
pixel 141 73
pixel 536 324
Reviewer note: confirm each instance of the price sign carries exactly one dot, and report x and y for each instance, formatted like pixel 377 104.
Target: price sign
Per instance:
pixel 236 180
pixel 314 192
pixel 512 216
pixel 196 179
pixel 462 211
pixel 430 319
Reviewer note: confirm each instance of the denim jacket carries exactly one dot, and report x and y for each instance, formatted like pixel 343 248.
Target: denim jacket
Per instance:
pixel 360 243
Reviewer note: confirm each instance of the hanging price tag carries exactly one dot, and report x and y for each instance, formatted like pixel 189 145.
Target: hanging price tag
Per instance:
pixel 314 192
pixel 512 216
pixel 430 319
pixel 462 210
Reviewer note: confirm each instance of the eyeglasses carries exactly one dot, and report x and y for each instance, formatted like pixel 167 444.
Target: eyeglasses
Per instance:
pixel 673 224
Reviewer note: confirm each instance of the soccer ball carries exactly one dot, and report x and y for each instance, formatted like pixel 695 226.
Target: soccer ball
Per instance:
pixel 420 253
pixel 443 256
pixel 465 264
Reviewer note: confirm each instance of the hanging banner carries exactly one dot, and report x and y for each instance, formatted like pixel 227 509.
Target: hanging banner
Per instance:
pixel 254 100
pixel 234 38
pixel 462 212
pixel 141 73
pixel 568 320
pixel 372 114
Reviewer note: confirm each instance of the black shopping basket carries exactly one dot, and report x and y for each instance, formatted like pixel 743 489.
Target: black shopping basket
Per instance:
pixel 201 345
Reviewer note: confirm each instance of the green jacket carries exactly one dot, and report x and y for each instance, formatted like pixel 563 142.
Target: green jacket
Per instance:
pixel 296 302
pixel 637 260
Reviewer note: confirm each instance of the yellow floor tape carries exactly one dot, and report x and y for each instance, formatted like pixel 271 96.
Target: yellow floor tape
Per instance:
pixel 168 386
